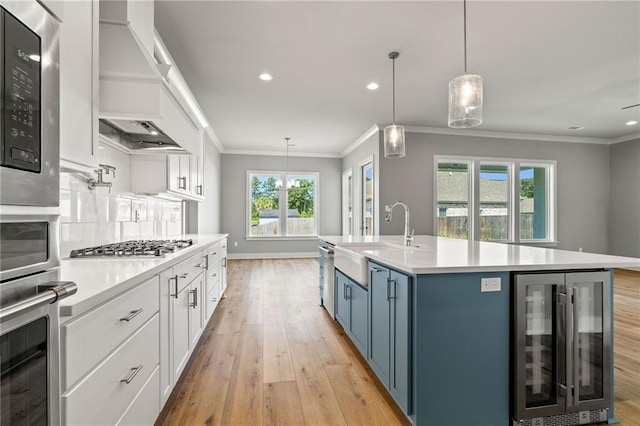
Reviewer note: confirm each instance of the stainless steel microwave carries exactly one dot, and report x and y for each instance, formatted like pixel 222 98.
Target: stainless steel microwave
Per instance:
pixel 29 105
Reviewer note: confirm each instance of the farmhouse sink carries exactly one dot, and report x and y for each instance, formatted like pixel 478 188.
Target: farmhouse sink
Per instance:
pixel 350 260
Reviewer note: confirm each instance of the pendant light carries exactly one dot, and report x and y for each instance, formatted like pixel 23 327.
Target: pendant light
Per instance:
pixel 465 94
pixel 394 134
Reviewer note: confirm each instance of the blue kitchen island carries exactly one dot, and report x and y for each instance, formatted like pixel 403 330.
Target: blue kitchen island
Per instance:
pixel 477 333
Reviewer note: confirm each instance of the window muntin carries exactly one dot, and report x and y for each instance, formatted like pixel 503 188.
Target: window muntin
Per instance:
pixel 282 204
pixel 488 187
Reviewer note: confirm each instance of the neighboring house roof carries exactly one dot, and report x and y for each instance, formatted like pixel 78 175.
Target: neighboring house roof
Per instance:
pixel 452 189
pixel 275 214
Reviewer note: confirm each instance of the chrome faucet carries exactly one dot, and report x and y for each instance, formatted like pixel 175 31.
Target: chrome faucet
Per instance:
pixel 408 237
pixel 93 183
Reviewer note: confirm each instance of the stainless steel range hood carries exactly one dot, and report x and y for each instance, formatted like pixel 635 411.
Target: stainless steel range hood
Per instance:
pixel 135 99
pixel 137 135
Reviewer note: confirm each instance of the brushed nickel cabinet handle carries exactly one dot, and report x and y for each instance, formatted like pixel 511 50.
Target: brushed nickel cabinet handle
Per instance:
pixel 134 372
pixel 175 295
pixel 131 315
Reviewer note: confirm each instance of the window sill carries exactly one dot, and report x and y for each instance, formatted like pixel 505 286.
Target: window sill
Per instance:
pixel 282 238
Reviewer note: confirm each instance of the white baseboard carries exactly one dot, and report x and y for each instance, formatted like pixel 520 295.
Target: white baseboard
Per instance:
pixel 296 255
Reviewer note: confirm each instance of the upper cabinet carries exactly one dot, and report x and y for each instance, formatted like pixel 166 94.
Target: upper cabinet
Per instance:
pixel 178 176
pixel 79 85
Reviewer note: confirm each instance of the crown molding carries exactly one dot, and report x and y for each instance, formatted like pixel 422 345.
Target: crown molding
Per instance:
pixel 212 135
pixel 366 135
pixel 625 138
pixel 505 135
pixel 281 153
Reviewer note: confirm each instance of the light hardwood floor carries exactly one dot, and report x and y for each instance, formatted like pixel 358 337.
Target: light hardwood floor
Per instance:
pixel 270 355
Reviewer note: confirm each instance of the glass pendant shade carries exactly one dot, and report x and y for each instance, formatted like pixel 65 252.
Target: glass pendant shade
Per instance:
pixel 465 101
pixel 394 141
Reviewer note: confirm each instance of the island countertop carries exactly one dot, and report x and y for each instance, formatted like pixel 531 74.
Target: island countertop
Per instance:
pixel 429 255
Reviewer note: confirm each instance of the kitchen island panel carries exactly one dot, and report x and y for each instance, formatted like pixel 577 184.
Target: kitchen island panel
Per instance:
pixel 461 341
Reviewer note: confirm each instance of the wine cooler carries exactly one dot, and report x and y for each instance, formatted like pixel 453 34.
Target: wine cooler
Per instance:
pixel 561 348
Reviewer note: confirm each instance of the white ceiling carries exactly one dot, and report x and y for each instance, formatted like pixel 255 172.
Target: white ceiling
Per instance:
pixel 546 66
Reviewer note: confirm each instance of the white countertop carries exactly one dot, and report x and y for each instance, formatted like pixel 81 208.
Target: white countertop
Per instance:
pixel 446 255
pixel 101 278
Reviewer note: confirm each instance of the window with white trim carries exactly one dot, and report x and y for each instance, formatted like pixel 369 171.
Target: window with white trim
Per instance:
pixel 282 204
pixel 476 197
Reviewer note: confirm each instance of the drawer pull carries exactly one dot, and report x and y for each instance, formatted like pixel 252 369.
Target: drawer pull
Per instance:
pixel 224 262
pixel 377 269
pixel 200 265
pixel 175 295
pixel 131 315
pixel 184 275
pixel 134 372
pixel 215 274
pixel 206 262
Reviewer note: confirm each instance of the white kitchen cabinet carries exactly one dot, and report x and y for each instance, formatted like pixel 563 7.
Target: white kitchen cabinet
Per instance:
pixel 212 280
pixel 146 406
pixel 180 340
pixel 166 301
pixel 106 393
pixel 196 315
pixel 79 85
pixel 223 266
pixel 177 175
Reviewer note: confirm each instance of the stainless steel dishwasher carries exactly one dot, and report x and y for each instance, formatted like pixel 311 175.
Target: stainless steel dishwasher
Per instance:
pixel 327 277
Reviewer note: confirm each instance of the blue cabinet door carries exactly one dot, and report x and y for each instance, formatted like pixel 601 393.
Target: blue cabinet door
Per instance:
pixel 380 337
pixel 400 372
pixel 343 307
pixel 358 329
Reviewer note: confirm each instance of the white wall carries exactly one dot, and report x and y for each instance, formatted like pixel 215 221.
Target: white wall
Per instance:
pixel 583 183
pixel 235 198
pixel 624 213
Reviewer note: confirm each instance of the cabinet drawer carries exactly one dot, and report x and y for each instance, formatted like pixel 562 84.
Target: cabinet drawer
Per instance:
pixel 90 338
pixel 213 252
pixel 104 395
pixel 145 408
pixel 223 247
pixel 189 269
pixel 213 275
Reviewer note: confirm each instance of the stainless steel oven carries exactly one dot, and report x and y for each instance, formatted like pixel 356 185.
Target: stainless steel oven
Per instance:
pixel 29 105
pixel 29 319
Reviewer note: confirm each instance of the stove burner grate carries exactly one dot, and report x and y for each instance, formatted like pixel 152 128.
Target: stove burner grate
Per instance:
pixel 155 248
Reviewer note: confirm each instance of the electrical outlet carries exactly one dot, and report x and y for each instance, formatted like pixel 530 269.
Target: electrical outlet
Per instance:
pixel 490 284
pixel 584 417
pixel 235 244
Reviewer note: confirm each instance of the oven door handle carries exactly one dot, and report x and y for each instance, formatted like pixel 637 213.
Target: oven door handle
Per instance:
pixel 47 293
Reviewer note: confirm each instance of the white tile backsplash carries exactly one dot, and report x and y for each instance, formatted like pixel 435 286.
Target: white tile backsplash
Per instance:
pixel 92 218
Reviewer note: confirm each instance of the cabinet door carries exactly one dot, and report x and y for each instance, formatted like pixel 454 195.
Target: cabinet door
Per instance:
pixel 79 84
pixel 380 338
pixel 359 305
pixel 180 332
pixel 197 188
pixel 342 303
pixel 175 182
pixel 400 372
pixel 195 310
pixel 185 173
pixel 167 288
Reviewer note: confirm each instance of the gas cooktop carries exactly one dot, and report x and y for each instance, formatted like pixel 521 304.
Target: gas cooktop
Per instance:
pixel 133 248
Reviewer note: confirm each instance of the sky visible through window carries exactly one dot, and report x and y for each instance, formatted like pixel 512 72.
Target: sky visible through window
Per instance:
pixel 524 174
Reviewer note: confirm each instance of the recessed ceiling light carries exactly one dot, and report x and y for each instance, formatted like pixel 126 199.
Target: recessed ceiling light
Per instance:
pixel 372 86
pixel 631 123
pixel 575 128
pixel 266 76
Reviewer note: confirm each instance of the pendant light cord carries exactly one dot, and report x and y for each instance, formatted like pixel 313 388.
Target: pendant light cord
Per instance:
pixel 393 67
pixel 465 36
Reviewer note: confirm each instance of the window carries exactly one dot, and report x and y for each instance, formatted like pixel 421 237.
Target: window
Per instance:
pixel 282 204
pixel 475 197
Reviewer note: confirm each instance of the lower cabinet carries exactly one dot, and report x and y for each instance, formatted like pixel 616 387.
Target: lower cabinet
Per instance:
pixel 390 337
pixel 145 408
pixel 104 395
pixel 352 310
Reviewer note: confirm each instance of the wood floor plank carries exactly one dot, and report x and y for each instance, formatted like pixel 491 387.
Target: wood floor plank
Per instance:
pixel 244 399
pixel 282 404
